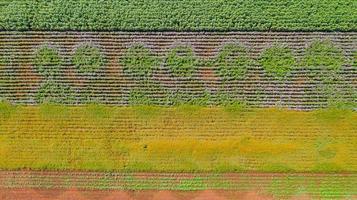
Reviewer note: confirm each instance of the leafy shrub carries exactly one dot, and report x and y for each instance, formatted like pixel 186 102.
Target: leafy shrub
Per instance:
pixel 232 62
pixel 88 59
pixel 181 61
pixel 277 61
pixel 47 61
pixel 138 61
pixel 53 92
pixel 323 54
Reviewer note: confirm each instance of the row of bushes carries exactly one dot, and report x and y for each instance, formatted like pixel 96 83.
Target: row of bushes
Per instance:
pixel 231 63
pixel 183 15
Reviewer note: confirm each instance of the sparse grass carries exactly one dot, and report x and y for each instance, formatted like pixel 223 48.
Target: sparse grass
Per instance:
pixel 176 139
pixel 281 186
pixel 6 109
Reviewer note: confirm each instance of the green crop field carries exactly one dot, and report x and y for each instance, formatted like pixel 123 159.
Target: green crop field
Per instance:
pixel 183 15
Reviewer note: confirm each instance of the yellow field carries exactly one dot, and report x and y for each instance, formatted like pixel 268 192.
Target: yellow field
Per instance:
pixel 186 138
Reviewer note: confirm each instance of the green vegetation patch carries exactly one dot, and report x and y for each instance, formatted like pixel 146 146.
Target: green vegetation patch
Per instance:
pixel 138 61
pixel 277 61
pixel 140 97
pixel 181 61
pixel 47 61
pixel 323 55
pixel 232 62
pixel 88 59
pixel 53 92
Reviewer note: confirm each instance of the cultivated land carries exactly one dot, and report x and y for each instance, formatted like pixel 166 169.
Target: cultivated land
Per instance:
pixel 177 139
pixel 182 186
pixel 157 99
pixel 299 84
pixel 186 15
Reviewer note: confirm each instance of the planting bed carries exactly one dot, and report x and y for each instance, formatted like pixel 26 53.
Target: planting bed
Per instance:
pixel 321 70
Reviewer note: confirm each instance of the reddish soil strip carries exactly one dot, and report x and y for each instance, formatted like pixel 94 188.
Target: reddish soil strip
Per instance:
pixel 73 194
pixel 96 185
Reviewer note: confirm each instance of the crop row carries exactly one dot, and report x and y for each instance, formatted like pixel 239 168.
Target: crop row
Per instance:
pixel 281 186
pixel 185 15
pixel 39 68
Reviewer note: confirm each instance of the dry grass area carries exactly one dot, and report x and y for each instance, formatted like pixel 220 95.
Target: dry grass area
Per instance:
pixel 177 139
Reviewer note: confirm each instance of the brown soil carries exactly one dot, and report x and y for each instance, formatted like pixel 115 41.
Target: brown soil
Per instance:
pixel 73 194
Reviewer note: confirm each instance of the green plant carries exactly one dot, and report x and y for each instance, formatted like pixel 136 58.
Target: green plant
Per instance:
pixel 277 61
pixel 138 61
pixel 47 61
pixel 355 59
pixel 53 92
pixel 181 61
pixel 140 97
pixel 88 59
pixel 323 55
pixel 232 62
